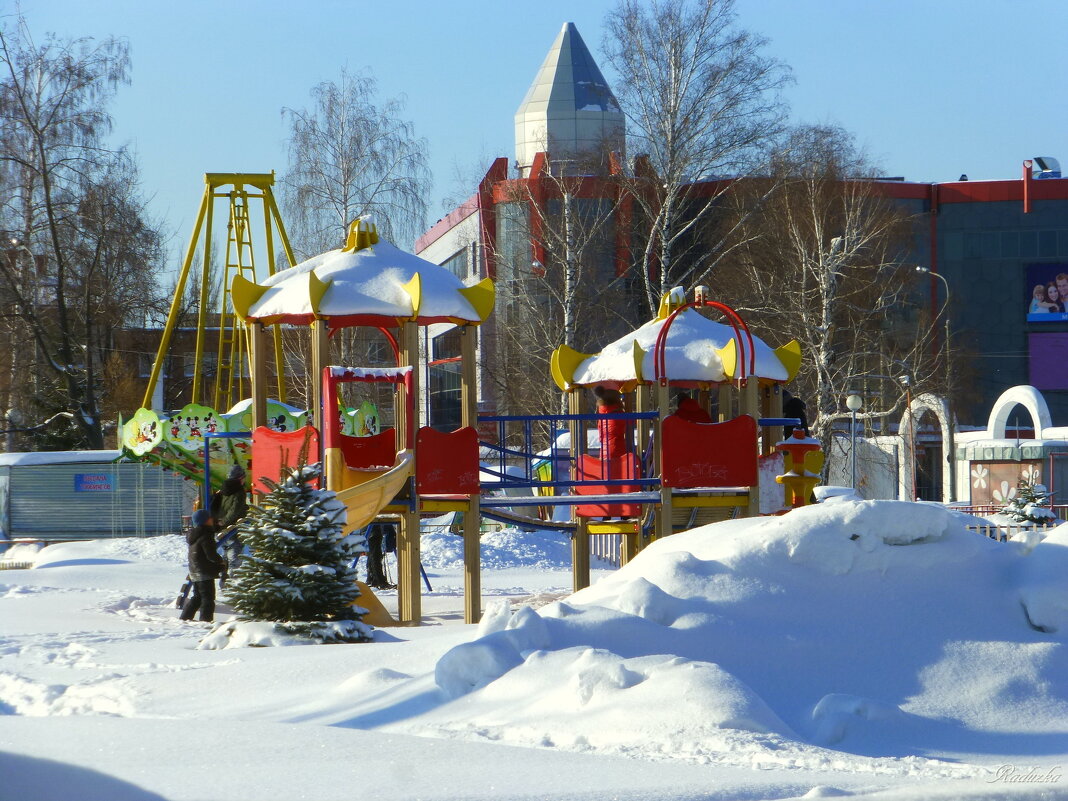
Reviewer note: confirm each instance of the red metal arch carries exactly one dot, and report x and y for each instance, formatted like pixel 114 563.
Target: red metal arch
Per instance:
pixel 737 323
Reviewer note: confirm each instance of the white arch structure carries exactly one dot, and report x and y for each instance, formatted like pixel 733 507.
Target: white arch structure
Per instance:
pixel 939 407
pixel 1026 396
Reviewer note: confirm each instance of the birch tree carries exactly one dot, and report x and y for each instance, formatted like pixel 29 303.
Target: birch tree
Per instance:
pixel 557 285
pixel 353 154
pixel 74 218
pixel 702 103
pixel 827 262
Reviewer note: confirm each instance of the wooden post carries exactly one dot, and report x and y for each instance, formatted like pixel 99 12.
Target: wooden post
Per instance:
pixel 409 591
pixel 749 403
pixel 772 435
pixel 472 517
pixel 320 358
pixel 703 396
pixel 580 541
pixel 663 515
pixel 580 555
pixel 409 594
pixel 630 545
pixel 472 561
pixel 726 402
pixel 258 343
pixel 775 405
pixel 632 541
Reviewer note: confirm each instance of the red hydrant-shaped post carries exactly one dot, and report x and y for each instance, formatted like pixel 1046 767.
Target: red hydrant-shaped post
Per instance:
pixel 798 479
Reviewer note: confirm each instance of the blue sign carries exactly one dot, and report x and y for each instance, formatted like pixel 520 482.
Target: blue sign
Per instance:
pixel 94 482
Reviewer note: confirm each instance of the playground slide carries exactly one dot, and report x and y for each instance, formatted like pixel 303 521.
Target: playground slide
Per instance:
pixel 366 499
pixel 363 501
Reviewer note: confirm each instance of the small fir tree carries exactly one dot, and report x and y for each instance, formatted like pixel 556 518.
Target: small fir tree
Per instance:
pixel 1030 504
pixel 299 572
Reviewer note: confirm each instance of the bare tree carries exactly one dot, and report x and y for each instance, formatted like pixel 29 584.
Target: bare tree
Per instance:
pixel 118 250
pixel 350 155
pixel 559 283
pixel 73 203
pixel 826 262
pixel 702 103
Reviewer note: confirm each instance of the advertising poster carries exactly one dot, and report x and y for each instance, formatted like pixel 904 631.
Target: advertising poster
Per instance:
pixel 1047 285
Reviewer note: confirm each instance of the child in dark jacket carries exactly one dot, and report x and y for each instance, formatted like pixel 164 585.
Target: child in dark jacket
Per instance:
pixel 228 507
pixel 205 565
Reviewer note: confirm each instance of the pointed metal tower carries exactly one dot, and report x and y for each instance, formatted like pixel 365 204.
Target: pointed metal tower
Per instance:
pixel 569 110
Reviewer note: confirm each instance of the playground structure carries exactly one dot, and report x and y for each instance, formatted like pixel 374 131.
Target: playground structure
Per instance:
pixel 232 352
pixel 201 440
pixel 402 471
pixel 677 473
pixel 685 469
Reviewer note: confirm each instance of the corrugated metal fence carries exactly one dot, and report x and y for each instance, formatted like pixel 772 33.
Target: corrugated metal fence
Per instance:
pixel 83 501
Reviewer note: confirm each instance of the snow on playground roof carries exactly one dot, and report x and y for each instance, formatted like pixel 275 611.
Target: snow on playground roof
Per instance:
pixel 58 457
pixel 374 281
pixel 691 354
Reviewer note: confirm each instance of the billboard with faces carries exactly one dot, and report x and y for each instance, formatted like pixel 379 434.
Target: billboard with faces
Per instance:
pixel 1046 287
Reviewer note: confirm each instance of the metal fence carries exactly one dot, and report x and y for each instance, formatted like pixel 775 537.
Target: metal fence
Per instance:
pixel 606 547
pixel 82 501
pixel 1004 533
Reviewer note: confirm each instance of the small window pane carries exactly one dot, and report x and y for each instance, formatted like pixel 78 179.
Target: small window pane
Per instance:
pixel 1010 244
pixel 1047 243
pixel 1028 244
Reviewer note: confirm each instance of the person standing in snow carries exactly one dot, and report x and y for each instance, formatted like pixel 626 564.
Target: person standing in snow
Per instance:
pixel 205 565
pixel 793 406
pixel 228 507
pixel 613 433
pixel 378 535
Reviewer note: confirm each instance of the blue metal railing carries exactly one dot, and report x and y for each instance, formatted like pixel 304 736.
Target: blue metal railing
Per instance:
pixel 527 455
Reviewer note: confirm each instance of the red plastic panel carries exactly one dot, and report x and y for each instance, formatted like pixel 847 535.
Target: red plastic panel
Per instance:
pixel 710 454
pixel 272 450
pixel 590 468
pixel 446 462
pixel 377 450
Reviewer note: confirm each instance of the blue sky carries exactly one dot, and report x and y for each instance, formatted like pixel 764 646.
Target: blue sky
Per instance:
pixel 932 89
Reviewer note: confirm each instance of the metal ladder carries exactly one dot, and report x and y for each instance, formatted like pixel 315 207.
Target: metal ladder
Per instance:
pixel 233 348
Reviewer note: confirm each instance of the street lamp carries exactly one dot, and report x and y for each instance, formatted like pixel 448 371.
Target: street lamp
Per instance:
pixel 854 404
pixel 952 456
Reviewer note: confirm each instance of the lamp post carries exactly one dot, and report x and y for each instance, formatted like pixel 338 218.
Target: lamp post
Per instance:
pixel 952 455
pixel 854 404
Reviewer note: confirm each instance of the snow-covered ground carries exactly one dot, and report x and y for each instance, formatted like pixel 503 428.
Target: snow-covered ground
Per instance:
pixel 869 648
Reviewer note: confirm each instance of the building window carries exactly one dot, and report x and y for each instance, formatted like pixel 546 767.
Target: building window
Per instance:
pixel 458 264
pixel 446 346
pixel 1028 244
pixel 1047 244
pixel 144 364
pixel 1010 244
pixel 446 396
pixel 444 380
